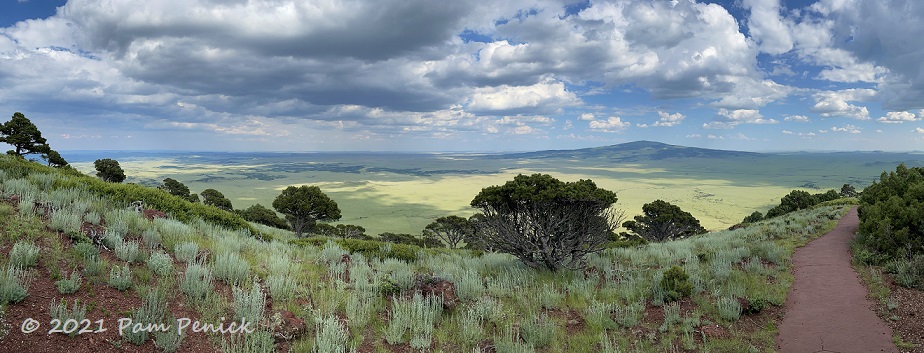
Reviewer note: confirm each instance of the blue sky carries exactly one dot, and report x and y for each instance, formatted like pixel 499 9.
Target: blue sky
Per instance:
pixel 418 75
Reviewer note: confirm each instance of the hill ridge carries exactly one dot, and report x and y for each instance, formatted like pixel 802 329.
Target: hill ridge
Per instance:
pixel 633 151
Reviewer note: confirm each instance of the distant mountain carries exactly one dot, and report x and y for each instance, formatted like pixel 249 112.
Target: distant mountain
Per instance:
pixel 632 151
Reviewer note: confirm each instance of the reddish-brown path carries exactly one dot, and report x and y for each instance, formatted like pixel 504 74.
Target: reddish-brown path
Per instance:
pixel 827 309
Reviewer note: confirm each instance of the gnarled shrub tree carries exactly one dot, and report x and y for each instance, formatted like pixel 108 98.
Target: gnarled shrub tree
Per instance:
pixel 546 222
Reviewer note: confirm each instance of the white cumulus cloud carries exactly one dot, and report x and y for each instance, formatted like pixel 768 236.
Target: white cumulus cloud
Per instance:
pixel 898 118
pixel 611 124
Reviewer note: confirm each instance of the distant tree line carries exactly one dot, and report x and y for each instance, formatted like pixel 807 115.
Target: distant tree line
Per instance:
pixel 800 200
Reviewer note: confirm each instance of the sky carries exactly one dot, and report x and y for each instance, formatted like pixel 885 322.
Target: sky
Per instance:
pixel 465 75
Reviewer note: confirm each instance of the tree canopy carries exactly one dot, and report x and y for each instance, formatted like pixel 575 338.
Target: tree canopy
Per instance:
pixel 546 222
pixel 305 205
pixel 178 189
pixel 260 214
pixel 892 213
pixel 54 159
pixel 849 191
pixel 661 221
pixel 450 229
pixel 109 170
pixel 215 198
pixel 23 135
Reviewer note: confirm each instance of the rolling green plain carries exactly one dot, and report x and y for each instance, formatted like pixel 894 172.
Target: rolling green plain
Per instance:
pixel 403 192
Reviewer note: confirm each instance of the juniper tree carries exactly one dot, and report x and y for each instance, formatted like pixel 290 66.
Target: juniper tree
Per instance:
pixel 546 222
pixel 305 205
pixel 23 135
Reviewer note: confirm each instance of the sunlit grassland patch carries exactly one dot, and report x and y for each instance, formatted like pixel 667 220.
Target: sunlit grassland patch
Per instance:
pixel 382 193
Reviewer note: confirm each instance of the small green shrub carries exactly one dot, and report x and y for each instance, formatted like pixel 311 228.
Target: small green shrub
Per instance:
pixel 24 254
pixel 910 273
pixel 676 284
pixel 86 251
pixel 94 267
pixel 70 285
pixel 120 277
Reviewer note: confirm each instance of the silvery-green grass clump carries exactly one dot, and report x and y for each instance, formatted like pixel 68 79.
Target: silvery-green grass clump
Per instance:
pixel 230 268
pixel 14 284
pixel 196 281
pixel 59 311
pixel 729 308
pixel 112 239
pixel 671 316
pixel 281 287
pixel 27 206
pixel 359 307
pixel 330 336
pixel 469 285
pixel 227 243
pixel 510 342
pixel 120 277
pixel 332 253
pixel 597 314
pixel 249 305
pixel 18 187
pixel 629 315
pixel 172 231
pixel 538 331
pixel 127 251
pixel 470 330
pixel 43 181
pixel 260 341
pixel 549 296
pixel 86 251
pixel 488 308
pixel 153 310
pixel 151 238
pixel 186 251
pixel 94 266
pixel 69 285
pixel 92 218
pixel 168 341
pixel 66 221
pixel 24 254
pixel 160 263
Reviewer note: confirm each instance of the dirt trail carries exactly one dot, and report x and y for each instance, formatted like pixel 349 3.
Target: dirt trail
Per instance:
pixel 827 309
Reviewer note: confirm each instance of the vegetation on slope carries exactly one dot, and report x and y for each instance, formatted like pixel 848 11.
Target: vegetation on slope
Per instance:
pixel 688 294
pixel 124 194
